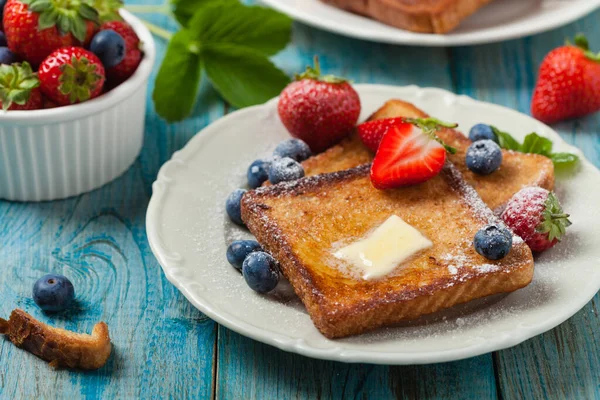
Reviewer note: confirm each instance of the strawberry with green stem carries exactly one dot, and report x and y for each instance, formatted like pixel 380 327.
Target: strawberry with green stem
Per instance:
pixel 19 87
pixel 71 75
pixel 35 28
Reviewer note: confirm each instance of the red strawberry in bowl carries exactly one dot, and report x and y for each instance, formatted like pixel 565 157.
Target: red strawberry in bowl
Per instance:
pixel 320 110
pixel 410 153
pixel 536 215
pixel 35 28
pixel 569 83
pixel 371 132
pixel 19 88
pixel 71 75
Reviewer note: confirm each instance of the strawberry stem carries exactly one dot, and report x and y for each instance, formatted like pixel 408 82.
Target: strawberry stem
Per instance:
pixel 149 9
pixel 582 42
pixel 158 31
pixel 430 126
pixel 315 74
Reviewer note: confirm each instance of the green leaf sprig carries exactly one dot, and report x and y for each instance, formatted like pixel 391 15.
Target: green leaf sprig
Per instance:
pixel 535 144
pixel 228 42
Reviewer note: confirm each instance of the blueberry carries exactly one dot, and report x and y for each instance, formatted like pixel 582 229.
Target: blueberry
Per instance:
pixel 493 242
pixel 482 132
pixel 285 169
pixel 7 56
pixel 484 157
pixel 109 46
pixel 295 149
pixel 239 250
pixel 258 173
pixel 260 272
pixel 233 206
pixel 3 41
pixel 53 292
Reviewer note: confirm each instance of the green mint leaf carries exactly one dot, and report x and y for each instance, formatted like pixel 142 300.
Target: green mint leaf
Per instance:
pixel 184 10
pixel 537 144
pixel 505 140
pixel 258 28
pixel 178 78
pixel 244 77
pixel 564 159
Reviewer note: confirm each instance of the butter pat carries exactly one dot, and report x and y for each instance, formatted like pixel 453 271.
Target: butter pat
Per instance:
pixel 385 248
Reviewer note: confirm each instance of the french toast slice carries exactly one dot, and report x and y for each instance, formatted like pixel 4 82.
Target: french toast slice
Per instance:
pixel 302 223
pixel 424 16
pixel 518 170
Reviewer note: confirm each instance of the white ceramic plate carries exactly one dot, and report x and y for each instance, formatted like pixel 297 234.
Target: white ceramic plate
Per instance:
pixel 500 20
pixel 189 234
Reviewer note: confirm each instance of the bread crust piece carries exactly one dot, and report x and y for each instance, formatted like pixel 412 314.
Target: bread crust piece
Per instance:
pixel 300 223
pixel 518 170
pixel 423 16
pixel 61 348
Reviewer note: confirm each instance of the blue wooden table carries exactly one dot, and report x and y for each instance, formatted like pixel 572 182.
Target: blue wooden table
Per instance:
pixel 165 348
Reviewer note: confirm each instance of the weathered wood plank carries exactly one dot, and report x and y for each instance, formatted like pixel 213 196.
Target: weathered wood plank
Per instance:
pixel 564 362
pixel 164 347
pixel 247 369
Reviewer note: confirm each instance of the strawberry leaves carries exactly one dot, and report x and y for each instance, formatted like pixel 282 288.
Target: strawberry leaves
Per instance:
pixel 16 83
pixel 555 222
pixel 535 144
pixel 69 16
pixel 231 42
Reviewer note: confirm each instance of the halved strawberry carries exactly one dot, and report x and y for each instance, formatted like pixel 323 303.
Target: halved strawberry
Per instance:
pixel 409 153
pixel 371 132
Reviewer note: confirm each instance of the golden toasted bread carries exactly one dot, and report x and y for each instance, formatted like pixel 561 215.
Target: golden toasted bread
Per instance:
pixel 517 171
pixel 59 347
pixel 302 223
pixel 425 16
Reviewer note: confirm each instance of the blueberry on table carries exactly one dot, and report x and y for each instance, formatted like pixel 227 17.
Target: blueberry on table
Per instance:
pixel 53 292
pixel 295 149
pixel 109 46
pixel 493 242
pixel 258 173
pixel 260 272
pixel 239 250
pixel 484 157
pixel 482 132
pixel 233 206
pixel 285 169
pixel 7 56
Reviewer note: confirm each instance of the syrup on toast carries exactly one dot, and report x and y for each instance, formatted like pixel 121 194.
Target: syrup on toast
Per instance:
pixel 425 16
pixel 518 170
pixel 301 223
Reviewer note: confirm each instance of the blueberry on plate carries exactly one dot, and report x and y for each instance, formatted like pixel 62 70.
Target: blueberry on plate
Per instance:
pixel 295 149
pixel 233 206
pixel 484 157
pixel 7 56
pixel 493 242
pixel 285 169
pixel 258 173
pixel 109 46
pixel 53 292
pixel 482 132
pixel 260 272
pixel 239 250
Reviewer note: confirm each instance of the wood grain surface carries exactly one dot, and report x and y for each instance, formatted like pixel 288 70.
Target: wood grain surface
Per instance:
pixel 165 348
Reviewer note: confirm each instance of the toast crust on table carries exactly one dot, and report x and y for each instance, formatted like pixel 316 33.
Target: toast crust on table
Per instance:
pixel 423 16
pixel 301 223
pixel 518 170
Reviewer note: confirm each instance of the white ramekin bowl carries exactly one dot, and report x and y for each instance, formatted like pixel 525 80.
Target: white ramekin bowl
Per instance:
pixel 61 152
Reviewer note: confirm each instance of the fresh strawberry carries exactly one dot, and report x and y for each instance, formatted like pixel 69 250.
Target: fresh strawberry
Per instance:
pixel 320 110
pixel 108 10
pixel 410 153
pixel 133 55
pixel 71 75
pixel 536 215
pixel 35 28
pixel 372 132
pixel 19 88
pixel 569 83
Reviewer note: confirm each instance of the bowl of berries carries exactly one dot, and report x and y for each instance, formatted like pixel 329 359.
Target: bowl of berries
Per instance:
pixel 73 82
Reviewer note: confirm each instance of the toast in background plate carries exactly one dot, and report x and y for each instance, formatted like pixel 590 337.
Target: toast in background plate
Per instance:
pixel 518 170
pixel 424 16
pixel 302 223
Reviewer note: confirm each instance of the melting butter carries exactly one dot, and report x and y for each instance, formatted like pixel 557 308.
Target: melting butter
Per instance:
pixel 385 248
